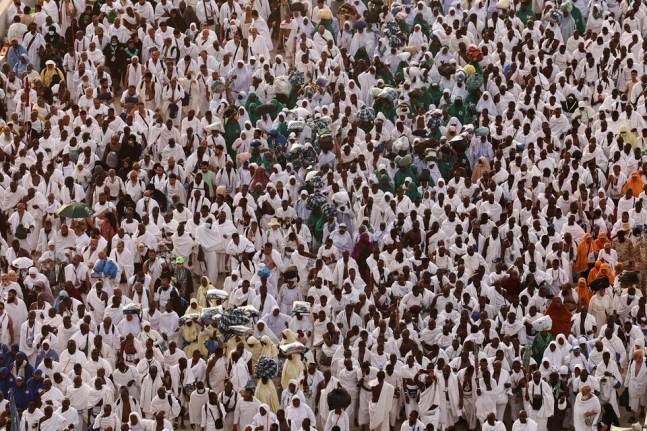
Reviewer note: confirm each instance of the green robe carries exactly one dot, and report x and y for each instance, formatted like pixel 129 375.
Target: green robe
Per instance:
pixel 424 25
pixel 283 128
pixel 232 132
pixel 460 112
pixel 279 108
pixel 316 224
pixel 525 12
pixel 400 176
pixel 249 105
pixel 292 99
pixel 404 27
pixel 412 192
pixel 385 107
pixel 444 166
pixel 539 346
pixel 579 21
pixel 435 94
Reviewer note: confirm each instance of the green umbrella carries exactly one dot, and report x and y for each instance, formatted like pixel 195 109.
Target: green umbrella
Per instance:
pixel 75 210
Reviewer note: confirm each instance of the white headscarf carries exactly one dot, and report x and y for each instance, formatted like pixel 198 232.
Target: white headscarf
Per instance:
pixel 486 104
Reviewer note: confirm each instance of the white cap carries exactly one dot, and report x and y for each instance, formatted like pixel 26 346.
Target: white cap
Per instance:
pixel 50 63
pixel 51 243
pixel 33 270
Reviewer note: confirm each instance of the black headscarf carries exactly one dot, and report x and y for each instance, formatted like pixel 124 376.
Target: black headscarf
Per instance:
pixel 609 417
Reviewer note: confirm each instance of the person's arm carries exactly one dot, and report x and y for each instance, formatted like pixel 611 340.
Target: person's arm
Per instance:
pixel 10 329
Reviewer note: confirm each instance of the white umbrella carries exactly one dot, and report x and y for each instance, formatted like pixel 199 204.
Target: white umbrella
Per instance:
pixel 22 263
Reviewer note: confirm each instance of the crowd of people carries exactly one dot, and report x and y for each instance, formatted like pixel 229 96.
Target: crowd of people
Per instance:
pixel 307 215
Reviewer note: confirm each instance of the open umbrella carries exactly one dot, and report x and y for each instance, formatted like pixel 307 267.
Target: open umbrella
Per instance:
pixel 266 108
pixel 22 263
pixel 75 210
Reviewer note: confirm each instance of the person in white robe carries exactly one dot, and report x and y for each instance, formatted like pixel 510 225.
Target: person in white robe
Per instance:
pixel 150 384
pixel 28 332
pixel 126 376
pixel 380 410
pixel 198 401
pixel 539 411
pixel 609 378
pixel 524 423
pixel 124 259
pixel 257 43
pixel 297 412
pixel 239 375
pixel 181 376
pixel 50 395
pixel 79 394
pixel 636 381
pixel 208 239
pixel 492 424
pixel 264 417
pixel 16 308
pixel 413 424
pixel 600 306
pixel 246 408
pixel 586 410
pixel 165 402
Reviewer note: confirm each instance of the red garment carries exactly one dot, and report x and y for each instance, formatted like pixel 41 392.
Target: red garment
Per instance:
pixel 561 318
pixel 361 251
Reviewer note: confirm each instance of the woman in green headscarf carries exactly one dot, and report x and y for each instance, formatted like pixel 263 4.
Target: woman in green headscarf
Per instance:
pixel 279 108
pixel 525 12
pixel 261 158
pixel 232 131
pixel 316 223
pixel 384 106
pixel 412 191
pixel 434 133
pixel 424 25
pixel 419 99
pixel 283 127
pixel 385 183
pixel 250 106
pixel 446 161
pixel 403 24
pixel 435 92
pixel 383 72
pixel 404 172
pixel 458 110
pixel 361 54
pixel 327 23
pixel 576 14
pixel 399 72
pixel 435 46
pixel 293 97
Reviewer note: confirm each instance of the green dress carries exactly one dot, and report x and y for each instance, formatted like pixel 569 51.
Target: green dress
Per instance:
pixel 539 345
pixel 316 224
pixel 579 21
pixel 460 112
pixel 445 164
pixel 525 12
pixel 279 108
pixel 401 175
pixel 385 107
pixel 435 94
pixel 232 132
pixel 292 99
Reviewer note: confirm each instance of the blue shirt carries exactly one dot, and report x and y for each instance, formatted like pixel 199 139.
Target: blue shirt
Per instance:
pixel 13 56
